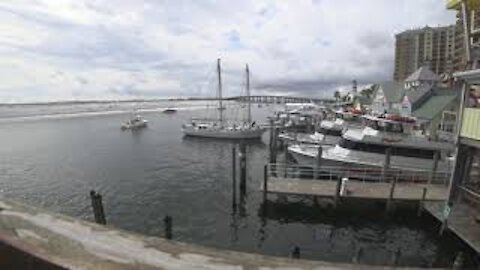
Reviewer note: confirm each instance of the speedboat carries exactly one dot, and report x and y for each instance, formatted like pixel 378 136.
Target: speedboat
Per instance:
pixel 135 123
pixel 367 147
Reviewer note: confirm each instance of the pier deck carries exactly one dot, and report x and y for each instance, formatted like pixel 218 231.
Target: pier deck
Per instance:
pixel 356 189
pixel 461 221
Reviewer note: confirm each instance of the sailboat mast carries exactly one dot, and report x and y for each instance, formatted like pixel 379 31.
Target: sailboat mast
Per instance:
pixel 220 108
pixel 249 112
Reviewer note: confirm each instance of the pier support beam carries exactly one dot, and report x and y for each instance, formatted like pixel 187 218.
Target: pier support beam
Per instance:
pixel 243 168
pixel 234 178
pixel 318 164
pixel 168 226
pixel 97 206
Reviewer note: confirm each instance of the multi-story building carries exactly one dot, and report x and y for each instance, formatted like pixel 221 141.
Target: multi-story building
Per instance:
pixel 429 46
pixel 459 63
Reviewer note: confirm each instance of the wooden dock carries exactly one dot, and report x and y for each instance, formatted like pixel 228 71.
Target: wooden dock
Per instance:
pixel 461 221
pixel 357 189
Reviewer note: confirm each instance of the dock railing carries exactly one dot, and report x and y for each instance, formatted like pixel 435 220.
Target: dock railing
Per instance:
pixel 366 174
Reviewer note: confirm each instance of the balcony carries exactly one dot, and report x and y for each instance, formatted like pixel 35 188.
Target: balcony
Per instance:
pixel 471 123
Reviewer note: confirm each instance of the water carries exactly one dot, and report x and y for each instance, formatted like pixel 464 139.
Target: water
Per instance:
pixel 54 161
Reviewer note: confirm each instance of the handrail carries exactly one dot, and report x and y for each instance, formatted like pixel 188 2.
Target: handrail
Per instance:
pixel 360 173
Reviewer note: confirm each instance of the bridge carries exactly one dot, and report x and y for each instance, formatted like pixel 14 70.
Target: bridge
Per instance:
pixel 282 99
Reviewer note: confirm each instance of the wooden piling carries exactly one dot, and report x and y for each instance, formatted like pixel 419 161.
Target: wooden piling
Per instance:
pixel 386 163
pixel 243 168
pixel 234 177
pixel 265 180
pixel 390 196
pixel 422 202
pixel 395 257
pixel 358 255
pixel 318 163
pixel 337 191
pixel 168 227
pixel 97 205
pixel 436 157
pixel 296 252
pixel 285 154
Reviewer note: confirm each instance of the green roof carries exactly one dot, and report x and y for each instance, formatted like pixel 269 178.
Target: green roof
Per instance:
pixel 435 104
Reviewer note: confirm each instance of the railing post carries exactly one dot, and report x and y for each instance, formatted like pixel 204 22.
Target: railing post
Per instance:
pixel 243 168
pixel 285 153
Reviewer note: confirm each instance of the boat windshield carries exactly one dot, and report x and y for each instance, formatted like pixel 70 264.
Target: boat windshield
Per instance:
pixel 387 126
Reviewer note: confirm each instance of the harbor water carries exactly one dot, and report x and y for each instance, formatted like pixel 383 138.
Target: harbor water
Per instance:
pixel 52 156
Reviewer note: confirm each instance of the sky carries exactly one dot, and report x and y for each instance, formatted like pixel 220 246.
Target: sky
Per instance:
pixel 53 50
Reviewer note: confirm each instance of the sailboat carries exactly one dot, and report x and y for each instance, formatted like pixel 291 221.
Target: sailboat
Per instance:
pixel 220 129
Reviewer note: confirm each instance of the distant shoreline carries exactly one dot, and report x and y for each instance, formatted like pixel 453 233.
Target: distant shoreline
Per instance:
pixel 66 102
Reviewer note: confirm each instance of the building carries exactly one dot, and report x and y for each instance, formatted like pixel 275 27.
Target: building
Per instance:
pixel 429 46
pixel 460 63
pixel 421 96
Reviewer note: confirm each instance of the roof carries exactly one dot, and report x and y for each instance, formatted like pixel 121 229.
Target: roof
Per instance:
pixel 436 104
pixel 392 90
pixel 423 74
pixel 418 94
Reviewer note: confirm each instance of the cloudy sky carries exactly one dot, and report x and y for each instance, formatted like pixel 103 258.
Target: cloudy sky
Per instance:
pixel 99 49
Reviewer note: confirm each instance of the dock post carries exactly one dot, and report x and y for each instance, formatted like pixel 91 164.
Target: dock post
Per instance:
pixel 168 226
pixel 337 191
pixel 234 178
pixel 285 153
pixel 358 254
pixel 395 257
pixel 265 181
pixel 386 164
pixel 422 201
pixel 458 262
pixel 318 163
pixel 436 157
pixel 243 168
pixel 296 252
pixel 97 206
pixel 390 196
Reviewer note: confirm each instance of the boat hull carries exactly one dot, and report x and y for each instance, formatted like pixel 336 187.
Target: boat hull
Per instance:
pixel 224 133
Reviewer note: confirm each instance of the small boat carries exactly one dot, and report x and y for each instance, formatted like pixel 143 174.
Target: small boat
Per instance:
pixel 136 123
pixel 169 110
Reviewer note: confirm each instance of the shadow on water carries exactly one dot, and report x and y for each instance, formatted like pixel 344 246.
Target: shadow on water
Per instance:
pixel 363 225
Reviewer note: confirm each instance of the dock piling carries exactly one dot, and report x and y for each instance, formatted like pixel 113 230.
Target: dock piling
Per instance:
pixel 390 196
pixel 265 181
pixel 386 163
pixel 337 191
pixel 243 168
pixel 285 153
pixel 168 226
pixel 97 206
pixel 357 256
pixel 296 252
pixel 395 257
pixel 422 201
pixel 436 157
pixel 318 163
pixel 234 178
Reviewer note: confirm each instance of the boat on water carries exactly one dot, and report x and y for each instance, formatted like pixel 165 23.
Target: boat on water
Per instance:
pixel 136 122
pixel 221 129
pixel 367 147
pixel 169 110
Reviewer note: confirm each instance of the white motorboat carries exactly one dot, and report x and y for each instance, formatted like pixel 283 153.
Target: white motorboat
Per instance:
pixel 367 147
pixel 135 123
pixel 221 129
pixel 307 138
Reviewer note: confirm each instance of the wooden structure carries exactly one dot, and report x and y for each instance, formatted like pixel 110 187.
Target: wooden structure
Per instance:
pixel 360 182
